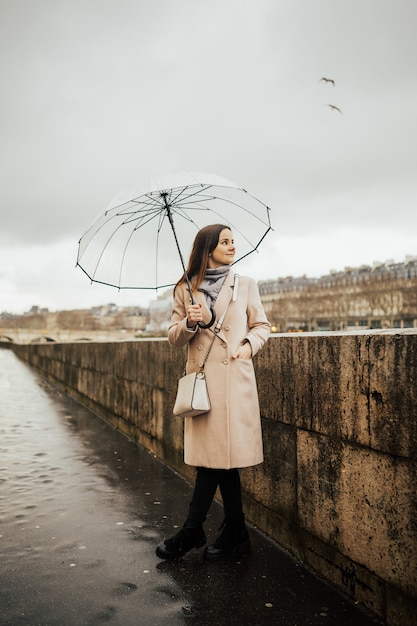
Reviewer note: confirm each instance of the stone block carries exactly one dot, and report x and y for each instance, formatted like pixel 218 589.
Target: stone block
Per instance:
pixel 392 394
pixel 363 505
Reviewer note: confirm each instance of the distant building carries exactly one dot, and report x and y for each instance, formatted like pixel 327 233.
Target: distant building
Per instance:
pixel 160 311
pixel 106 319
pixel 37 310
pixel 381 296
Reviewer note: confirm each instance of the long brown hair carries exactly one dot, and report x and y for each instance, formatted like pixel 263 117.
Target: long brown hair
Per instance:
pixel 206 240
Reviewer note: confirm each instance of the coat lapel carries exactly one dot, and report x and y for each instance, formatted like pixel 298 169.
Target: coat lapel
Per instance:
pixel 225 295
pixel 224 298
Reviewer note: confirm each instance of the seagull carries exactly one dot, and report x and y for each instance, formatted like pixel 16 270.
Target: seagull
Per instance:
pixel 334 107
pixel 327 80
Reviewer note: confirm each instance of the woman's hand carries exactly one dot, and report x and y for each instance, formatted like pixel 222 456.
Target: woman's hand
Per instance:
pixel 244 351
pixel 194 315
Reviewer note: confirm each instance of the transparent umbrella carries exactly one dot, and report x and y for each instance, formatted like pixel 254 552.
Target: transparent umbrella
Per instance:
pixel 137 242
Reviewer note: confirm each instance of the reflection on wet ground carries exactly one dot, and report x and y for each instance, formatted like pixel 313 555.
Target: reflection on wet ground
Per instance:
pixel 81 511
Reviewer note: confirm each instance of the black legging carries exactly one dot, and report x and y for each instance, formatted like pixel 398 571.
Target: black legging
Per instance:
pixel 206 483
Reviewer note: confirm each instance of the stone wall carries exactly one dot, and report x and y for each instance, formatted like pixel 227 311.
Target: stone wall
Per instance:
pixel 339 411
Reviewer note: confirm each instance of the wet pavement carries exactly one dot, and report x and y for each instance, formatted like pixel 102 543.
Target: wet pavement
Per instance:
pixel 81 511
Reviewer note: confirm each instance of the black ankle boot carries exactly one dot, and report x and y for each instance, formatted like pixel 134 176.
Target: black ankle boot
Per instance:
pixel 185 540
pixel 232 541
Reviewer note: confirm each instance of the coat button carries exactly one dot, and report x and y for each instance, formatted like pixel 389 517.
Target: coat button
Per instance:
pixel 199 347
pixel 226 361
pixel 224 345
pixel 201 364
pixel 226 327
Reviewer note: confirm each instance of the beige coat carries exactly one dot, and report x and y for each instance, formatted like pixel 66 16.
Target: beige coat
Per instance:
pixel 230 434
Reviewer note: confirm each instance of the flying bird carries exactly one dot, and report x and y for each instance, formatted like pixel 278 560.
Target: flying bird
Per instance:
pixel 327 80
pixel 334 107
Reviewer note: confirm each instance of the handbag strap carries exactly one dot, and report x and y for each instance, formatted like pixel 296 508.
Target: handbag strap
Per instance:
pixel 215 332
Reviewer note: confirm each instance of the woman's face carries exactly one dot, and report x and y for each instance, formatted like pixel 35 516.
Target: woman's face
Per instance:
pixel 224 252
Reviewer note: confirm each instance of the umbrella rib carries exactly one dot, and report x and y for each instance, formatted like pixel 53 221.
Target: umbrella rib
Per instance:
pixel 197 191
pixel 124 255
pixel 235 228
pixel 149 196
pixel 161 221
pixel 206 198
pixel 199 188
pixel 102 225
pixel 181 210
pixel 107 242
pixel 254 248
pixel 147 208
pixel 124 223
pixel 104 249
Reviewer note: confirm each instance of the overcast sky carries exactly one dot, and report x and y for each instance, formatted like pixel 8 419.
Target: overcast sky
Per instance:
pixel 98 94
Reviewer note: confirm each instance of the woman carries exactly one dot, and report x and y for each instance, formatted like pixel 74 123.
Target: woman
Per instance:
pixel 229 436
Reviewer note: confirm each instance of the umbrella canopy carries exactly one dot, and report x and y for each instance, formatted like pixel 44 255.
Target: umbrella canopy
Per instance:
pixel 138 241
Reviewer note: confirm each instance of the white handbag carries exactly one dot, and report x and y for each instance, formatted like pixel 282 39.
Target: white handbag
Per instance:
pixel 192 396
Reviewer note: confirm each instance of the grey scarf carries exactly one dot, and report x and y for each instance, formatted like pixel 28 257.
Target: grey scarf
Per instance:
pixel 213 282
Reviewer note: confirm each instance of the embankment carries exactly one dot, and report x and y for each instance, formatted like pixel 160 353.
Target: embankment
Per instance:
pixel 339 412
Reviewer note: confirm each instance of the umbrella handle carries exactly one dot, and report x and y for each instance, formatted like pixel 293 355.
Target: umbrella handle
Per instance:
pixel 211 322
